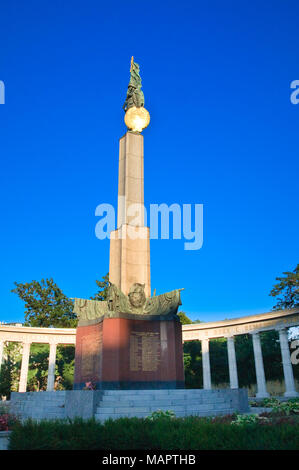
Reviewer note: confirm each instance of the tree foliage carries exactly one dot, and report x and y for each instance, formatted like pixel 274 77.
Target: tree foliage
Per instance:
pixel 184 319
pixel 193 364
pixel 103 288
pixel 9 373
pixel 45 304
pixel 288 289
pixel 38 367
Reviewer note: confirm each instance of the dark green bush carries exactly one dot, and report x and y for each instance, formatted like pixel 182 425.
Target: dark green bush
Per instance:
pixel 132 433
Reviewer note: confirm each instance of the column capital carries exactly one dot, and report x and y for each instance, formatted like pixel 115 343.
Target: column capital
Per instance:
pixel 254 333
pixel 281 329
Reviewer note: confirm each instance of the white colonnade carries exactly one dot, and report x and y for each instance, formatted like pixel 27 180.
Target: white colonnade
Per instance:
pixel 29 335
pixel 253 325
pixel 204 332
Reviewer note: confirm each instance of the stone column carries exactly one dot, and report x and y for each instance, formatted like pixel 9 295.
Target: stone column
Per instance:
pixel 290 389
pixel 207 383
pixel 232 363
pixel 24 367
pixel 130 243
pixel 51 368
pixel 1 352
pixel 259 367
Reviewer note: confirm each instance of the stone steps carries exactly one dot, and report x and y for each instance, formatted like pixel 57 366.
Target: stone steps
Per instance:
pixel 116 404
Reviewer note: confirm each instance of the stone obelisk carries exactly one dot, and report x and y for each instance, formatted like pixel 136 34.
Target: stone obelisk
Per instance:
pixel 130 340
pixel 129 244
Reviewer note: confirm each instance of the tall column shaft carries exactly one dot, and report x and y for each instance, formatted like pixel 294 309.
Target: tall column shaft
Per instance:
pixel 290 389
pixel 130 243
pixel 51 368
pixel 232 363
pixel 207 383
pixel 259 367
pixel 130 208
pixel 24 367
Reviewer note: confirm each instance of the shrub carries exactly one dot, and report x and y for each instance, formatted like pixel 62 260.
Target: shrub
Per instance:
pixel 287 407
pixel 7 420
pixel 269 402
pixel 159 414
pixel 242 420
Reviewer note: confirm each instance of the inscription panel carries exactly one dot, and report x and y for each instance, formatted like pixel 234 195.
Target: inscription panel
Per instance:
pixel 145 351
pixel 91 351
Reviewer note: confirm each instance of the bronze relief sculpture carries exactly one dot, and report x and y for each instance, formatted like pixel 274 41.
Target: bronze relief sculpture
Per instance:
pixel 135 303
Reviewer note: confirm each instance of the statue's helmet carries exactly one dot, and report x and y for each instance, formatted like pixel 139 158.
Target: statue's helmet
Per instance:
pixel 137 295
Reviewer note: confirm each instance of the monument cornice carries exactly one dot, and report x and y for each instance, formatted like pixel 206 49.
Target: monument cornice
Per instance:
pixel 242 325
pixel 29 334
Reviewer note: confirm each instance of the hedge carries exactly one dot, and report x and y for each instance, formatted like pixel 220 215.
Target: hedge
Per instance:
pixel 132 433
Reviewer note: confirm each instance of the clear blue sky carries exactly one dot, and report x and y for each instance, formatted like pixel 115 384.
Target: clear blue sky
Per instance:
pixel 216 77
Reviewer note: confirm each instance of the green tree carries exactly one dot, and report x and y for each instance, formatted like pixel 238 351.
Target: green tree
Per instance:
pixel 193 364
pixel 46 305
pixel 184 319
pixel 38 367
pixel 10 369
pixel 65 367
pixel 219 361
pixel 245 360
pixel 103 288
pixel 288 288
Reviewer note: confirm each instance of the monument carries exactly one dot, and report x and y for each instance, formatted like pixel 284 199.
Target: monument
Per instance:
pixel 132 340
pixel 129 348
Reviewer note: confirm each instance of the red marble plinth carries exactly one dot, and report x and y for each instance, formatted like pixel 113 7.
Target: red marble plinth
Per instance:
pixel 122 353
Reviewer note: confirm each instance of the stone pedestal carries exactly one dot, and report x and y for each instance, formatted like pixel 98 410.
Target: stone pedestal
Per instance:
pixel 130 352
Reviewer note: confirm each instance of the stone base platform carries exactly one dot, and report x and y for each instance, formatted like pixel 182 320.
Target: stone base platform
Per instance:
pixel 136 403
pixel 127 403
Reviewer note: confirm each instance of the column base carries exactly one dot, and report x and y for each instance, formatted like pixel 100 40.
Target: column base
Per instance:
pixel 262 395
pixel 291 394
